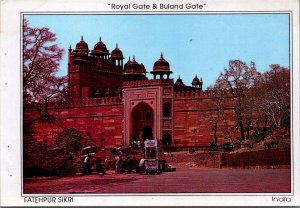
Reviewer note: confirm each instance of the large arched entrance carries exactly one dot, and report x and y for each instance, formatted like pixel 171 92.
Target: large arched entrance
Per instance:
pixel 142 122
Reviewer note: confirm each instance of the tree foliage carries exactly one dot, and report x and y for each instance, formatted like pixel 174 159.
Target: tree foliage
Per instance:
pixel 237 79
pixel 260 101
pixel 41 85
pixel 272 96
pixel 69 139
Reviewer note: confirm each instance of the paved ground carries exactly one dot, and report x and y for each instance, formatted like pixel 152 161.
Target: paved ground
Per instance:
pixel 184 180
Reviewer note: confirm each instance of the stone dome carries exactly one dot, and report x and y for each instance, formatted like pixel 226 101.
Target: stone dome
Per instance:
pixel 127 63
pixel 100 48
pixel 161 64
pixel 196 81
pixel 133 67
pixel 117 53
pixel 82 45
pixel 179 81
pixel 143 69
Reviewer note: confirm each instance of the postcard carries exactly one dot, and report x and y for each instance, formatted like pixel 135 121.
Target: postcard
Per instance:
pixel 150 103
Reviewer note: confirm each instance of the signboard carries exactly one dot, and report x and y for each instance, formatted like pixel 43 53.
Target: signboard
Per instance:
pixel 150 143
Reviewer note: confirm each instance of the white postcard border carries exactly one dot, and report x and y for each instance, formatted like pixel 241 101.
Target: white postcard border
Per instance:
pixel 11 106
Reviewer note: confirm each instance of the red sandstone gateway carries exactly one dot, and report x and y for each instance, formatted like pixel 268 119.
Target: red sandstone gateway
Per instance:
pixel 109 97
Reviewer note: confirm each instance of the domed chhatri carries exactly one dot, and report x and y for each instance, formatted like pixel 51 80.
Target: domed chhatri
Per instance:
pixel 161 64
pixel 196 82
pixel 117 53
pixel 133 70
pixel 100 48
pixel 179 81
pixel 126 64
pixel 80 54
pixel 161 67
pixel 143 69
pixel 133 66
pixel 82 45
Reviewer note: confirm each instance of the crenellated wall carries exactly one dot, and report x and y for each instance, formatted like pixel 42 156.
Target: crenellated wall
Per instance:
pixel 146 82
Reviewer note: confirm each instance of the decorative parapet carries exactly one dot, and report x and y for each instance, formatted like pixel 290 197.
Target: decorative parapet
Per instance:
pixel 143 83
pixel 89 102
pixel 198 93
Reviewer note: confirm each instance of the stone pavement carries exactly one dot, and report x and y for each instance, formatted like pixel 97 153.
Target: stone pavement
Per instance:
pixel 184 180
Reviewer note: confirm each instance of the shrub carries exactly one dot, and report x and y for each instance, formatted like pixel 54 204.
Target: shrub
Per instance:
pixel 213 146
pixel 89 142
pixel 42 159
pixel 256 137
pixel 237 143
pixel 227 146
pixel 260 134
pixel 250 144
pixel 270 144
pixel 69 139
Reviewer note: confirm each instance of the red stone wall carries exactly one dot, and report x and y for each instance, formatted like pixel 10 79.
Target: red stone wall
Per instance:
pixel 193 124
pixel 270 157
pixel 192 120
pixel 200 159
pixel 216 159
pixel 91 117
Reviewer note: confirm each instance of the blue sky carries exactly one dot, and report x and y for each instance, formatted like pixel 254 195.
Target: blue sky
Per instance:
pixel 199 44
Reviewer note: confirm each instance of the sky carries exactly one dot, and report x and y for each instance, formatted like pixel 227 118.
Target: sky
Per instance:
pixel 193 44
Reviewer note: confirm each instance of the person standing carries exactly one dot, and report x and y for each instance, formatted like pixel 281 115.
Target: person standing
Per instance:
pixel 99 166
pixel 128 164
pixel 117 161
pixel 87 165
pixel 142 166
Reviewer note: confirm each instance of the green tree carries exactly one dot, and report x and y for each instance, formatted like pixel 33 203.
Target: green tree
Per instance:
pixel 69 139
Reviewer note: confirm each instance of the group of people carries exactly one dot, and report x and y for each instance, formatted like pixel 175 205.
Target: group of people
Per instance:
pixel 121 164
pixel 98 162
pixel 127 165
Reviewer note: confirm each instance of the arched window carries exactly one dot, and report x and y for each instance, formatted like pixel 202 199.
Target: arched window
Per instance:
pixel 167 109
pixel 166 139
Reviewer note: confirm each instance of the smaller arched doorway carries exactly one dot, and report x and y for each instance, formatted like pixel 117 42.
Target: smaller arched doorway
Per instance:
pixel 167 140
pixel 147 133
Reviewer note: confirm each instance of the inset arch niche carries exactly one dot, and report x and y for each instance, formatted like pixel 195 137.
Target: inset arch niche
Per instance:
pixel 142 122
pixel 167 109
pixel 167 140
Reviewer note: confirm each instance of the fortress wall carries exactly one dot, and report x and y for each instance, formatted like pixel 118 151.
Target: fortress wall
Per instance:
pixel 192 120
pixel 194 116
pixel 91 117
